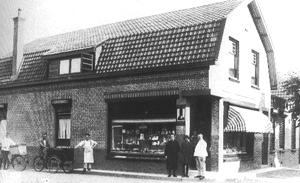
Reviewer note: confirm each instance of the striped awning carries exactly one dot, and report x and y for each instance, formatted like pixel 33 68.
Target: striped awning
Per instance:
pixel 246 120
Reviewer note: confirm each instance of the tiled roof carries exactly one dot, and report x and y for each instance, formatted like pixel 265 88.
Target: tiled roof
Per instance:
pixel 280 93
pixel 166 37
pixel 5 69
pixel 91 37
pixel 166 48
pixel 33 67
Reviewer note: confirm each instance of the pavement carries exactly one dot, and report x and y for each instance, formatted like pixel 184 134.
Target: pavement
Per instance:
pixel 264 175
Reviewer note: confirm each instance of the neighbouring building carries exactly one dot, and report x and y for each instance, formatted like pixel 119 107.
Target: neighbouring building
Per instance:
pixel 285 139
pixel 130 84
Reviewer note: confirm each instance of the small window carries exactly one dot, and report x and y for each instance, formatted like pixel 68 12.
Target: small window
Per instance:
pixel 255 68
pixel 70 66
pixel 234 68
pixel 64 67
pixel 75 65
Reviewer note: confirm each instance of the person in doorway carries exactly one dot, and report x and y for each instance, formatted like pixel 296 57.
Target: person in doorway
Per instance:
pixel 200 154
pixel 88 146
pixel 44 146
pixel 5 146
pixel 171 153
pixel 187 154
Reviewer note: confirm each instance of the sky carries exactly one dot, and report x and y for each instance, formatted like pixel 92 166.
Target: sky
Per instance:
pixel 50 17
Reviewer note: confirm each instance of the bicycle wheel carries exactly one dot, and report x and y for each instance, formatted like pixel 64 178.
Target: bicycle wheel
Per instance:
pixel 53 164
pixel 67 166
pixel 38 163
pixel 19 163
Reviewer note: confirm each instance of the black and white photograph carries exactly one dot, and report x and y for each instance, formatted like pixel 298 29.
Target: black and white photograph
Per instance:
pixel 149 91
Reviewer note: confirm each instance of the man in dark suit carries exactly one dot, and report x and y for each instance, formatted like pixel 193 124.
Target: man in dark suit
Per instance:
pixel 171 153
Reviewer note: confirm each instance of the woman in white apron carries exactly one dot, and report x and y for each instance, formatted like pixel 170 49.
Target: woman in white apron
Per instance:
pixel 88 146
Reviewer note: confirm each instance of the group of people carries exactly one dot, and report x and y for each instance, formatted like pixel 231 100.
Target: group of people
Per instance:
pixel 172 150
pixel 188 151
pixel 87 144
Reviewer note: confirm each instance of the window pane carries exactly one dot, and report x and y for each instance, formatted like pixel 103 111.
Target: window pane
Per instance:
pixel 75 65
pixel 64 129
pixel 64 67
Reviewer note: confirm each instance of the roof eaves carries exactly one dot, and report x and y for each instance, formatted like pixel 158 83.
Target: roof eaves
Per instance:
pixel 266 40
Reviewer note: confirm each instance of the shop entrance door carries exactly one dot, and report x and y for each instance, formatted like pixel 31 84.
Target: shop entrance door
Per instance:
pixel 265 145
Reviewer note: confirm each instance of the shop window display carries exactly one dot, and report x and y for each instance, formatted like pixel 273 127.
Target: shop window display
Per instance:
pixel 141 138
pixel 238 143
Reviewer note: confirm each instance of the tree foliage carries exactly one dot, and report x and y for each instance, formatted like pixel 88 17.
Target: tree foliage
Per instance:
pixel 292 88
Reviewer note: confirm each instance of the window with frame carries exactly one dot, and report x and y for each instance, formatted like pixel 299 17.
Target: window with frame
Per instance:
pixel 69 66
pixel 141 128
pixel 255 68
pixel 234 68
pixel 63 123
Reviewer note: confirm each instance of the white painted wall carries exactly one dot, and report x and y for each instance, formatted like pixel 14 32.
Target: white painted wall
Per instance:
pixel 240 26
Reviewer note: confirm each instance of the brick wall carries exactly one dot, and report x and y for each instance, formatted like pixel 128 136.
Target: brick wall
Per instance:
pixel 30 111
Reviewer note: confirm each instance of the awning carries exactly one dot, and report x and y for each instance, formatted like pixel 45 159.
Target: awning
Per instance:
pixel 246 120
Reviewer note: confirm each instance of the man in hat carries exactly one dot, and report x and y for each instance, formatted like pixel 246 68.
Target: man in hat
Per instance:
pixel 171 153
pixel 88 146
pixel 187 154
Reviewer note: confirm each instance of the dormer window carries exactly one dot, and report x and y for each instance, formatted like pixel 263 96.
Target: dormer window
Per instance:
pixel 69 66
pixel 80 63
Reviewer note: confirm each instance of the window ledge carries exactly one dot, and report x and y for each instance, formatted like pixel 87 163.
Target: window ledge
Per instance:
pixel 255 86
pixel 293 150
pixel 234 79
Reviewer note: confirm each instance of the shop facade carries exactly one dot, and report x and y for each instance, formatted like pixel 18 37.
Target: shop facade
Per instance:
pixel 130 91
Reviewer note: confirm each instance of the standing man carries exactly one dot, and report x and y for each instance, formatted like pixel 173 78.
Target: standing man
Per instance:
pixel 44 146
pixel 6 143
pixel 200 154
pixel 187 154
pixel 88 153
pixel 171 153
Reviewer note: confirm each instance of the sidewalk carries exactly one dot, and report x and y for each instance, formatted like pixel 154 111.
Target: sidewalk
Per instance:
pixel 210 176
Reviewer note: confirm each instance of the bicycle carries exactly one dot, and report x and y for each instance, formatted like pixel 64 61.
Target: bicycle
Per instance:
pixel 56 159
pixel 19 160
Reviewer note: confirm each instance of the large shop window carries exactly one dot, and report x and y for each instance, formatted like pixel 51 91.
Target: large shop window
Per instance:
pixel 63 122
pixel 238 143
pixel 141 128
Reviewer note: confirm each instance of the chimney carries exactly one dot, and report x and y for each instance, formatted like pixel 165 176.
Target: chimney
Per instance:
pixel 17 43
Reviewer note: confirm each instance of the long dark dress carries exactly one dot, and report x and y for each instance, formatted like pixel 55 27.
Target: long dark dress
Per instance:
pixel 187 152
pixel 171 151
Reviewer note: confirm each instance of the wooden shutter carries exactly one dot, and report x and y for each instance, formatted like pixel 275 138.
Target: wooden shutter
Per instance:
pixel 87 62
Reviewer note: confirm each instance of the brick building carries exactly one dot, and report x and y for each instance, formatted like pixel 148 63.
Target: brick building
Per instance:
pixel 130 84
